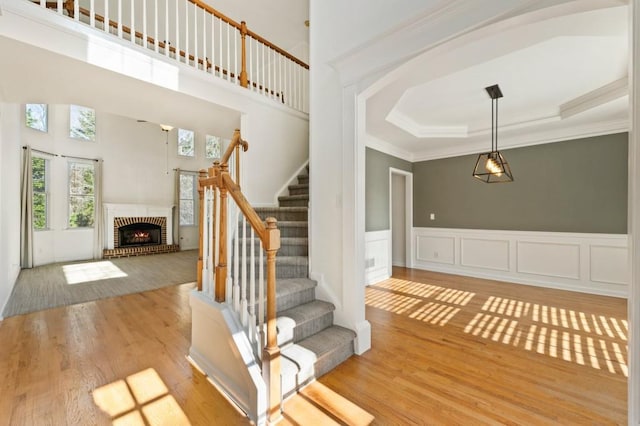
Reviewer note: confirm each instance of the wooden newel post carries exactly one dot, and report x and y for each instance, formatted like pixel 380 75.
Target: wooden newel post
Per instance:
pixel 201 175
pixel 244 82
pixel 221 267
pixel 271 353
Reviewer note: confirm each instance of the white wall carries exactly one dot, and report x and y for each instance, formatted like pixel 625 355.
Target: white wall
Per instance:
pixel 113 77
pixel 134 172
pixel 9 209
pixel 116 77
pixel 588 263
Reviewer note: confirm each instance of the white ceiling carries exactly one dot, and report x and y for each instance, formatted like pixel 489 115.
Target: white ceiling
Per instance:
pixel 561 78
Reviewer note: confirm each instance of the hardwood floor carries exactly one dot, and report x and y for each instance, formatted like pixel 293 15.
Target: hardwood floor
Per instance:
pixel 446 350
pixel 456 350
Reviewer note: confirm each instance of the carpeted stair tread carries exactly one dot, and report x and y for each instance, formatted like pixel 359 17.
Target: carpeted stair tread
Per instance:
pixel 294 213
pixel 326 349
pixel 303 321
pixel 293 285
pixel 293 197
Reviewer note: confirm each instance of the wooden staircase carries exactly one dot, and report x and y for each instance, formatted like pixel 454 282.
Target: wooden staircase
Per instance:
pixel 273 335
pixel 310 344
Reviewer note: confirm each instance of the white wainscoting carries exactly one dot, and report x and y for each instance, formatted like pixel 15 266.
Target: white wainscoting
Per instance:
pixel 377 255
pixel 589 263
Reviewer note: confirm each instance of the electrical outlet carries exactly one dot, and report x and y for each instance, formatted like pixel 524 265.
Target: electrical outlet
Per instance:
pixel 432 216
pixel 435 254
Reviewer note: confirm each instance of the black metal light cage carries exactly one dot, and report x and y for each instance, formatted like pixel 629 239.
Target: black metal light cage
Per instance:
pixel 491 167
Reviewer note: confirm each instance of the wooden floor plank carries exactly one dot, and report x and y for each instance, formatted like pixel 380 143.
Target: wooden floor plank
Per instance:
pixel 445 350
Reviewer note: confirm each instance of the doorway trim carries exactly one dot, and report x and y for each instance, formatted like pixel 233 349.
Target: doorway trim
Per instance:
pixel 408 218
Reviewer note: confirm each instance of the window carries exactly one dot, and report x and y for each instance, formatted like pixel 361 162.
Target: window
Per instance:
pixel 40 176
pixel 81 195
pixel 188 197
pixel 186 143
pixel 212 147
pixel 36 116
pixel 82 123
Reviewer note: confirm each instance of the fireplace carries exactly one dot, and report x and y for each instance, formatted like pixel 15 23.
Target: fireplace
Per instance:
pixel 140 234
pixel 137 230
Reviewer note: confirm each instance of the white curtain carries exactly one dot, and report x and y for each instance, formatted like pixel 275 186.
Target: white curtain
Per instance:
pixel 26 211
pixel 176 208
pixel 98 225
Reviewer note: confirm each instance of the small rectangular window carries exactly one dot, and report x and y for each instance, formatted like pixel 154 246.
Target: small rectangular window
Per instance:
pixel 81 195
pixel 40 177
pixel 82 123
pixel 213 147
pixel 36 117
pixel 188 197
pixel 186 143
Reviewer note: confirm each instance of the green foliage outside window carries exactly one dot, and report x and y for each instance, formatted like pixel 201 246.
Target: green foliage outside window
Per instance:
pixel 212 147
pixel 82 123
pixel 39 177
pixel 81 195
pixel 187 199
pixel 186 143
pixel 36 116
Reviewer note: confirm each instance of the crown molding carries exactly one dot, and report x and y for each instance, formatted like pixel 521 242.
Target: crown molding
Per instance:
pixel 407 124
pixel 388 148
pixel 595 98
pixel 529 139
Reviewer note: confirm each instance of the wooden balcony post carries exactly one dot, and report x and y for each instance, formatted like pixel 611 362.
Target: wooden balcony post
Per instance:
pixel 221 267
pixel 244 82
pixel 271 353
pixel 201 175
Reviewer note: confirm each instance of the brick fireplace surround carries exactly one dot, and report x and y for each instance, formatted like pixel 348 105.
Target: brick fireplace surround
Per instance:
pixel 118 215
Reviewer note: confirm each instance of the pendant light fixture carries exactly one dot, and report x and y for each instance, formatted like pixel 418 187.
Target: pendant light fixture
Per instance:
pixel 166 129
pixel 491 167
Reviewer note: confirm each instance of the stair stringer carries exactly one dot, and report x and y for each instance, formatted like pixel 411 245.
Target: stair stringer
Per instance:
pixel 221 349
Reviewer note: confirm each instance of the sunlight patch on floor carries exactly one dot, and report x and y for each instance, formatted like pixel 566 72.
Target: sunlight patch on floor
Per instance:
pixel 141 399
pixel 93 271
pixel 418 300
pixel 583 338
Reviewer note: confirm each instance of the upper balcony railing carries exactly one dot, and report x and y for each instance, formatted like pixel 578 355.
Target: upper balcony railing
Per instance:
pixel 195 34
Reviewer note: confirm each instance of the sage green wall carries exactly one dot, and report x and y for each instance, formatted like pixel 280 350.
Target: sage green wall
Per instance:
pixel 571 186
pixel 377 187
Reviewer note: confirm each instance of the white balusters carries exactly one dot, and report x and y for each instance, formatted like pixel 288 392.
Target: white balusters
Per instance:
pixel 132 25
pixel 236 263
pixel 156 43
pixel 186 30
pixel 208 249
pixel 166 28
pixel 107 25
pixel 92 13
pixel 119 18
pixel 176 46
pixel 243 297
pixel 252 290
pixel 199 39
pixel 261 301
pixel 204 40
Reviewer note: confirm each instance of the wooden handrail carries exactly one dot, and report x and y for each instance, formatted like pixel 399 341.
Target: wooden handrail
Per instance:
pixel 236 141
pixel 267 231
pixel 68 5
pixel 249 32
